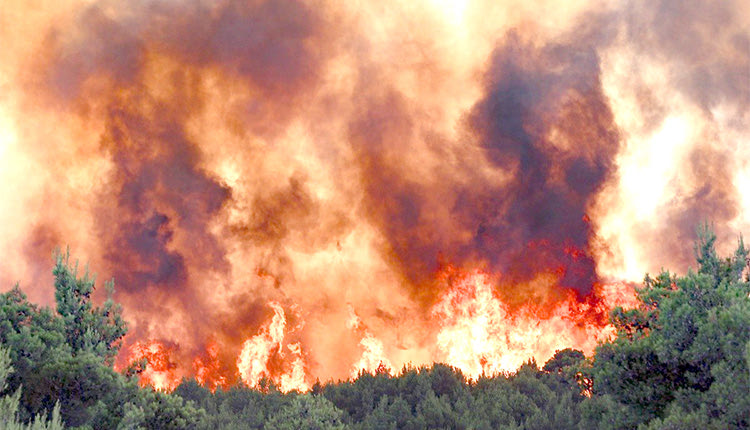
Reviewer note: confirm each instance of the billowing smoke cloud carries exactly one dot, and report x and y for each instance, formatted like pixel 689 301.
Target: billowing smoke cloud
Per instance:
pixel 682 71
pixel 157 207
pixel 545 119
pixel 270 170
pixel 544 123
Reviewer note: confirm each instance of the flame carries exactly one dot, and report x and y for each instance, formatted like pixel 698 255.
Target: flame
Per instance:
pixel 373 359
pixel 208 368
pixel 259 351
pixel 161 371
pixel 481 335
pixel 619 293
pixel 296 378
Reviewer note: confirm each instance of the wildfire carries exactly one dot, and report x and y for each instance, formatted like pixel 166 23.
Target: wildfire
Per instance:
pixel 161 371
pixel 480 335
pixel 619 293
pixel 373 358
pixel 266 349
pixel 242 167
pixel 208 368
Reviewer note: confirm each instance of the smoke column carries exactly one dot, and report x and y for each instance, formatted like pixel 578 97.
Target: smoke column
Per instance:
pixel 304 189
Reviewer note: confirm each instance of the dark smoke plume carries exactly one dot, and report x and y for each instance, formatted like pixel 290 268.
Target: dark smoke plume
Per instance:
pixel 546 123
pixel 156 211
pixel 545 119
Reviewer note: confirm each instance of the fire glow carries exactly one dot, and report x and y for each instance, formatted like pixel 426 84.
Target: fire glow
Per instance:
pixel 478 334
pixel 481 336
pixel 297 190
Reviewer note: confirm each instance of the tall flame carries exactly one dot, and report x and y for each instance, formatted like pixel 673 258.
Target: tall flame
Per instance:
pixel 481 335
pixel 259 351
pixel 373 357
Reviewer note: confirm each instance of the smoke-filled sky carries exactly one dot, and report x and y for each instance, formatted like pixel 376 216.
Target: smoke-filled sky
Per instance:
pixel 336 173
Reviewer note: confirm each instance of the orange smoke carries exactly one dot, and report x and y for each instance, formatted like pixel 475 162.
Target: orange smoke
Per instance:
pixel 293 190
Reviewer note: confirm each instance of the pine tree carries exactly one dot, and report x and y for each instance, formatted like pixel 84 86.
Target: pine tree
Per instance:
pixel 98 330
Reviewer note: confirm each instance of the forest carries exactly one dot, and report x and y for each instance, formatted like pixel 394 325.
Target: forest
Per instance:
pixel 680 360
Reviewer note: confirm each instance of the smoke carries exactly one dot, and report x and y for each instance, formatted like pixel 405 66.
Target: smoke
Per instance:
pixel 545 119
pixel 337 160
pixel 543 124
pixel 679 75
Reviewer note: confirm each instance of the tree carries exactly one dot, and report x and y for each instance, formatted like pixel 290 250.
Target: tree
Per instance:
pixel 563 359
pixel 307 411
pixel 9 404
pixel 152 409
pixel 679 359
pixel 87 328
pixel 63 362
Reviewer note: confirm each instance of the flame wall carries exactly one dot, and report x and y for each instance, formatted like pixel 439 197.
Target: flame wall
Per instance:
pixel 343 184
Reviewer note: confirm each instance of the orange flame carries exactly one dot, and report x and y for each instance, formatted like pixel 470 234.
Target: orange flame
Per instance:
pixel 481 336
pixel 478 333
pixel 260 351
pixel 295 379
pixel 207 368
pixel 161 370
pixel 619 293
pixel 373 358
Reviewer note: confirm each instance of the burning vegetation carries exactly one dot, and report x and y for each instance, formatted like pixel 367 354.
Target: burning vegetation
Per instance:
pixel 290 191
